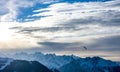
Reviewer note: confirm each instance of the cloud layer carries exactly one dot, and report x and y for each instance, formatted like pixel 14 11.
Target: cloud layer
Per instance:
pixel 61 26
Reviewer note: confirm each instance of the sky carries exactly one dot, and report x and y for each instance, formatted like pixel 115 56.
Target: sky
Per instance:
pixel 61 27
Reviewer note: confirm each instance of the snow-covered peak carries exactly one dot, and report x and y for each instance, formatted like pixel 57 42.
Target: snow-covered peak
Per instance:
pixel 49 60
pixel 91 64
pixel 55 61
pixel 99 61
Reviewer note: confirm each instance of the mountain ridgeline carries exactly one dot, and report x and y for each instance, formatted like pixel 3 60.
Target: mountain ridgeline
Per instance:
pixel 39 62
pixel 22 66
pixel 95 64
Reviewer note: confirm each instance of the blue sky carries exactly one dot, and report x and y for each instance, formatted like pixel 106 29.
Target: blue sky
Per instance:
pixel 61 27
pixel 26 13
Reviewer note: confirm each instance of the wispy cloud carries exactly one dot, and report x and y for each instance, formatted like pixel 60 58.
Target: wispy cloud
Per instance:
pixel 12 8
pixel 53 25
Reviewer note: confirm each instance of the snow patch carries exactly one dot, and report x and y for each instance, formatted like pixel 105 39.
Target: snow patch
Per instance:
pixel 5 62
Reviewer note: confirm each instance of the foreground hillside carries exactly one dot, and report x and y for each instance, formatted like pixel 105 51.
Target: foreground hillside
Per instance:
pixel 8 65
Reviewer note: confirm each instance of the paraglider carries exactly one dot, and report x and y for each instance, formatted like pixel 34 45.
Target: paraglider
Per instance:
pixel 85 47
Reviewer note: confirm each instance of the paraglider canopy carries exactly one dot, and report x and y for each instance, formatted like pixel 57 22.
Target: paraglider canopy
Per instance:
pixel 85 47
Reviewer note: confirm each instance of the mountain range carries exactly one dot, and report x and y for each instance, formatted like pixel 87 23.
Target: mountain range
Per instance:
pixel 38 62
pixel 95 64
pixel 49 60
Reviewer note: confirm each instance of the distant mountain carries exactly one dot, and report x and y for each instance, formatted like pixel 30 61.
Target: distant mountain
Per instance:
pixel 95 64
pixel 9 65
pixel 50 60
pixel 67 63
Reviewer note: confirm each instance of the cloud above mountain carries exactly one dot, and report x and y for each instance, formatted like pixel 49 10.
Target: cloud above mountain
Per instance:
pixel 60 25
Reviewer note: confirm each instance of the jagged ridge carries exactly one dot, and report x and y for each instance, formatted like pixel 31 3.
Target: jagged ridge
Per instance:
pixel 95 64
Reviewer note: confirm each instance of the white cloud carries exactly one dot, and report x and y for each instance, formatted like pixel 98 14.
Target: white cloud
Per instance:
pixel 77 22
pixel 48 1
pixel 11 7
pixel 4 11
pixel 64 13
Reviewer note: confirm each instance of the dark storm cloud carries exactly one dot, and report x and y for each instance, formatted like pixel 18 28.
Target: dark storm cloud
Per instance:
pixel 109 18
pixel 29 30
pixel 108 43
pixel 58 46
